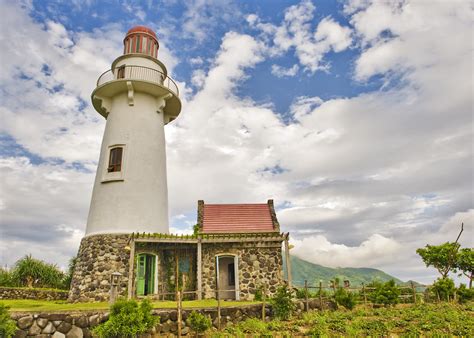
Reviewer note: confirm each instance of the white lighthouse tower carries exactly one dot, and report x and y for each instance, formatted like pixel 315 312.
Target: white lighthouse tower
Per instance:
pixel 138 99
pixel 130 193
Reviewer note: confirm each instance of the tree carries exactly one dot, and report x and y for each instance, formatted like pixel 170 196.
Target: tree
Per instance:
pixel 32 272
pixel 465 263
pixel 442 257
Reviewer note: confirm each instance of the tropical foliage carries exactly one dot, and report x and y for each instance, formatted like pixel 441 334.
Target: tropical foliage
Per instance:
pixel 282 303
pixel 198 322
pixel 7 325
pixel 127 319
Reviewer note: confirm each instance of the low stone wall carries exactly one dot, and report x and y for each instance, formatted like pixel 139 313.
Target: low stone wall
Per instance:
pixel 26 293
pixel 79 324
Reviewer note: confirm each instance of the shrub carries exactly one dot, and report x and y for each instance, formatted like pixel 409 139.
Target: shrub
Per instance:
pixel 282 303
pixel 6 278
pixel 345 298
pixel 444 287
pixel 7 325
pixel 68 276
pixel 198 322
pixel 253 325
pixel 258 294
pixel 465 294
pixel 373 328
pixel 127 319
pixel 384 293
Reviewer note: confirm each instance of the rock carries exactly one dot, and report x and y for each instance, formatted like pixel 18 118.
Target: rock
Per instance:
pixel 34 330
pixel 20 334
pixel 42 322
pixel 94 320
pixel 75 332
pixel 25 322
pixel 81 321
pixel 64 327
pixel 58 335
pixel 174 316
pixel 56 323
pixel 87 333
pixel 185 331
pixel 49 328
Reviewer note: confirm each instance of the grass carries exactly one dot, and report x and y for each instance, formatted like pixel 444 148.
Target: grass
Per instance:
pixel 43 305
pixel 444 319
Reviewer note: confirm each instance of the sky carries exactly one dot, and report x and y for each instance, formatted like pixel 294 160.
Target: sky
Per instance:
pixel 355 117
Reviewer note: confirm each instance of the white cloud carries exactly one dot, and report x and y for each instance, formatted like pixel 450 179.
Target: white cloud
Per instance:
pixel 374 251
pixel 279 71
pixel 296 32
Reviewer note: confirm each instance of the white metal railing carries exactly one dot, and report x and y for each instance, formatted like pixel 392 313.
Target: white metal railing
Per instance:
pixel 138 73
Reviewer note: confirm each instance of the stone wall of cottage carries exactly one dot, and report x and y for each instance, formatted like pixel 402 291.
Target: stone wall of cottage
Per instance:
pixel 27 293
pixel 98 257
pixel 259 263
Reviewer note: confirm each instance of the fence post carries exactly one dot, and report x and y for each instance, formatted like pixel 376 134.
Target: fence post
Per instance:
pixel 218 308
pixel 264 296
pixel 306 295
pixel 178 300
pixel 413 289
pixel 364 294
pixel 321 295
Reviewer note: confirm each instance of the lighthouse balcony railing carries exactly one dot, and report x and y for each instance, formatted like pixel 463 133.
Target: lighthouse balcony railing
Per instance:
pixel 138 73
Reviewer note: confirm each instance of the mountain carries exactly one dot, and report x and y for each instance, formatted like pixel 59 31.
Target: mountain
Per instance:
pixel 313 273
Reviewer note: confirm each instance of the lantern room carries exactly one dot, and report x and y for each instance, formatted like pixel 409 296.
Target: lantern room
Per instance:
pixel 142 40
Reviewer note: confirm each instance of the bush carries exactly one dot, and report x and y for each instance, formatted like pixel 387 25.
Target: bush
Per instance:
pixel 198 322
pixel 384 293
pixel 6 278
pixel 253 325
pixel 465 294
pixel 68 276
pixel 258 294
pixel 7 325
pixel 345 298
pixel 444 288
pixel 127 319
pixel 282 304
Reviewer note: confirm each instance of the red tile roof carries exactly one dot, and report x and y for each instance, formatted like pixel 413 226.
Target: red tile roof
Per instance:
pixel 234 218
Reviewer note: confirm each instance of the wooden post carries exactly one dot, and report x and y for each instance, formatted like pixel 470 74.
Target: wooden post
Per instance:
pixel 264 296
pixel 306 301
pixel 178 301
pixel 364 294
pixel 288 261
pixel 414 291
pixel 131 269
pixel 199 269
pixel 218 308
pixel 321 306
pixel 334 289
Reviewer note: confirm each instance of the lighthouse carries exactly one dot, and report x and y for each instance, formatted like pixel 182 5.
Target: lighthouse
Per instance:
pixel 130 195
pixel 137 98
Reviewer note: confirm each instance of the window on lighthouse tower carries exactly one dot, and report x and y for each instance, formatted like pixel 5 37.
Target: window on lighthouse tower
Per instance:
pixel 115 160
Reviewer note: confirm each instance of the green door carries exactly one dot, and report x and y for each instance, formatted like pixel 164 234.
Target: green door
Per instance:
pixel 145 274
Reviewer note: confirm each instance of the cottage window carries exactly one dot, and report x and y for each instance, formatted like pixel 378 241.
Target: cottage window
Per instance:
pixel 115 160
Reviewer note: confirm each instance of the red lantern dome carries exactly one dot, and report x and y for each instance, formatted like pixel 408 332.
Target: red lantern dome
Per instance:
pixel 141 40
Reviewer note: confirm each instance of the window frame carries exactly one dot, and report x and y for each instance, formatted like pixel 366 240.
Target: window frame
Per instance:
pixel 117 175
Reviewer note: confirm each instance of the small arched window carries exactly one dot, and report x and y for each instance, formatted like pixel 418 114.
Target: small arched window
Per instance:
pixel 115 160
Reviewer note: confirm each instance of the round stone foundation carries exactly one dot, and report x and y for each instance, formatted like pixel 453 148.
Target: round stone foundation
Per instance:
pixel 98 257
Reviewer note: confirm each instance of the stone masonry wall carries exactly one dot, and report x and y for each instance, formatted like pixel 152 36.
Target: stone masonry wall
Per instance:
pixel 98 257
pixel 80 324
pixel 259 264
pixel 25 293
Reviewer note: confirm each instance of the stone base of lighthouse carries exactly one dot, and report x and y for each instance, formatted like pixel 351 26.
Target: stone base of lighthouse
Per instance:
pixel 98 257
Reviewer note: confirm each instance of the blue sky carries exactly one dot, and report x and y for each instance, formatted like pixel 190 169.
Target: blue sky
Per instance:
pixel 349 114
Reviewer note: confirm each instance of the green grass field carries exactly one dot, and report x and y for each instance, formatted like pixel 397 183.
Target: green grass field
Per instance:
pixel 42 305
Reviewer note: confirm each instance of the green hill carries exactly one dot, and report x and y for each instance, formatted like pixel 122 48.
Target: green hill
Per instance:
pixel 313 273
